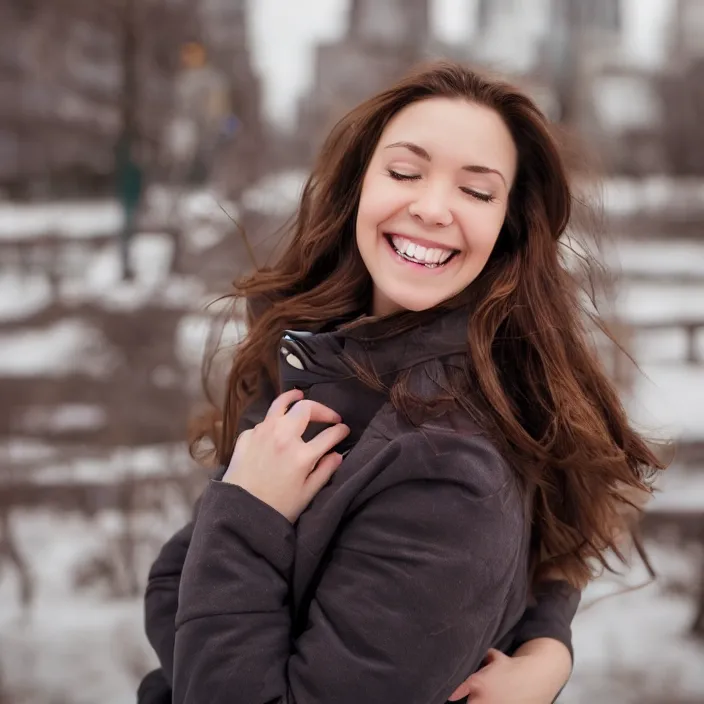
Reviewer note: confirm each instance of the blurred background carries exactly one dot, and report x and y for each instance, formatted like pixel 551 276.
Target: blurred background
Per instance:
pixel 138 136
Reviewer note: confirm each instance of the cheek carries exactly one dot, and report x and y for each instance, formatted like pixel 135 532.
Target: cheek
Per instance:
pixel 378 201
pixel 482 230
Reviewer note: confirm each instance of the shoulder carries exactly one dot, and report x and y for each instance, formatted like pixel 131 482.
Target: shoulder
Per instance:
pixel 449 449
pixel 444 483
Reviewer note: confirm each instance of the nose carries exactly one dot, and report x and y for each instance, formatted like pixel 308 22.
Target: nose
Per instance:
pixel 431 207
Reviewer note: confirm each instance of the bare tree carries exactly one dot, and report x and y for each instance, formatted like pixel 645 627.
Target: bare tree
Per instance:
pixel 11 554
pixel 78 76
pixel 683 96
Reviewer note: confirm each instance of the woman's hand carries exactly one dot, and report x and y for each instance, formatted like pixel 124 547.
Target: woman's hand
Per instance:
pixel 534 675
pixel 272 462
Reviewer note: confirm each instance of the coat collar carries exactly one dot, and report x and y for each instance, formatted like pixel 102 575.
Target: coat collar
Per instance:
pixel 384 345
pixel 323 364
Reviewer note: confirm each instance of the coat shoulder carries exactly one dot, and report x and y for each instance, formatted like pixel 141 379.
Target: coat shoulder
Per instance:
pixel 451 448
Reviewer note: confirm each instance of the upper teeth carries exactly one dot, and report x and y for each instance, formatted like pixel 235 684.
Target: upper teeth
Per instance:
pixel 419 253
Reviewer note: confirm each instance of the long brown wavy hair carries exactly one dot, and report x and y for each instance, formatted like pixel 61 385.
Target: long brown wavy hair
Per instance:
pixel 532 378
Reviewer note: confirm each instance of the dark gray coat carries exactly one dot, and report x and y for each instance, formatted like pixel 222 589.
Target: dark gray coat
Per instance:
pixel 391 586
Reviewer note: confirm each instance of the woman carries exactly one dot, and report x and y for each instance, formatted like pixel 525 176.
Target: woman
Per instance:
pixel 444 441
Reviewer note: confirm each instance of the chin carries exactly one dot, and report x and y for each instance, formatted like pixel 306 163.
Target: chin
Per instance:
pixel 412 303
pixel 417 307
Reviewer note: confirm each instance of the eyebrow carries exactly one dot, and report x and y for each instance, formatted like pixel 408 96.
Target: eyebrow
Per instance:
pixel 423 154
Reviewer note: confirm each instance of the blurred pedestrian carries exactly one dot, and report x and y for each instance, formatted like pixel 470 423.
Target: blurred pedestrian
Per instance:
pixel 203 118
pixel 130 181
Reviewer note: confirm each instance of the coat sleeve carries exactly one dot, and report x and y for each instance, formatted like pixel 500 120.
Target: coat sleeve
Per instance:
pixel 407 606
pixel 550 615
pixel 161 598
pixel 164 581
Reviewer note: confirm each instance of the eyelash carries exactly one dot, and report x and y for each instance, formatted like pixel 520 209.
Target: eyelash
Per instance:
pixel 483 197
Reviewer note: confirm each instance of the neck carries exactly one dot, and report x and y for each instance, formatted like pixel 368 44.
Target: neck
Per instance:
pixel 383 306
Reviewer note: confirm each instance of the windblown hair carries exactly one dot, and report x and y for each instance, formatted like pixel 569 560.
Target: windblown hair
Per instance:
pixel 532 378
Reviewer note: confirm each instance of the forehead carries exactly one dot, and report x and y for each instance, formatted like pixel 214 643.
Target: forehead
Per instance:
pixel 455 129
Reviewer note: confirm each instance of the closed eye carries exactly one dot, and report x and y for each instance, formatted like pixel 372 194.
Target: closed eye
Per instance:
pixel 484 197
pixel 403 177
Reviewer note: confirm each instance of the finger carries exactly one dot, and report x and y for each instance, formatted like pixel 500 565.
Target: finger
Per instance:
pixel 306 411
pixel 476 689
pixel 281 403
pixel 321 475
pixel 459 693
pixel 472 686
pixel 325 440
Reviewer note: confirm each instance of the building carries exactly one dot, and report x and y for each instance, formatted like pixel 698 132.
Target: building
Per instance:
pixel 383 40
pixel 682 90
pixel 225 35
pixel 508 33
pixel 687 33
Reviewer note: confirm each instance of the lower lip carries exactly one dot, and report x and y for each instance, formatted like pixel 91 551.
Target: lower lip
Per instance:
pixel 418 267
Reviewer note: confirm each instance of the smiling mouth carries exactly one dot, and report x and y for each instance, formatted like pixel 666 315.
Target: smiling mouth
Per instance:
pixel 430 258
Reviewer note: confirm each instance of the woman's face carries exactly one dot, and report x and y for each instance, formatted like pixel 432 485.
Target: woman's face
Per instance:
pixel 433 202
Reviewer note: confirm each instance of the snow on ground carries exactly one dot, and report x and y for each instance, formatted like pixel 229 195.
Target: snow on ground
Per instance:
pixel 82 648
pixel 661 258
pixel 668 401
pixel 99 280
pixel 633 647
pixel 72 647
pixel 99 218
pixel 653 196
pixel 678 490
pixel 68 417
pixel 22 450
pixel 67 346
pixel 660 302
pixel 75 651
pixel 72 345
pixel 78 218
pixel 109 467
pixel 193 332
pixel 23 295
pixel 189 207
pixel 95 277
pixel 669 346
pixel 277 194
pixel 120 463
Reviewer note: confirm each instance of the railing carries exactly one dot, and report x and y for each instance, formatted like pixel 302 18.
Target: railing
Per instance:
pixel 626 333
pixel 690 326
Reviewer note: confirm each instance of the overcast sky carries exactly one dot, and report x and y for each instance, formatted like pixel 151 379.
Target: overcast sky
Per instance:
pixel 284 34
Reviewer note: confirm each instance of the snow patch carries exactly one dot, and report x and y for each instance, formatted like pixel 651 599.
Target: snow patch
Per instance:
pixel 66 347
pixel 277 194
pixel 663 258
pixel 22 296
pixel 641 303
pixel 667 401
pixel 77 219
pixel 65 418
